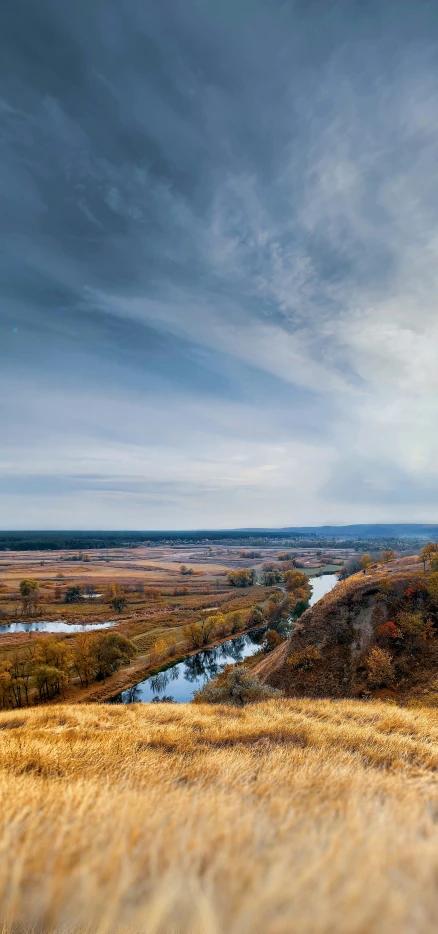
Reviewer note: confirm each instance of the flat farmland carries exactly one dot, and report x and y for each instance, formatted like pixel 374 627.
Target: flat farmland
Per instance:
pixel 151 595
pixel 164 590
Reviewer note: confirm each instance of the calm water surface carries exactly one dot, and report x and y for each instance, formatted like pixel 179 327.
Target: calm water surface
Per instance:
pixel 54 626
pixel 321 586
pixel 181 681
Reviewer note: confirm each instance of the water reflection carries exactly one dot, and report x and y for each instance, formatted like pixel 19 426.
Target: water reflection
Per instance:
pixel 55 625
pixel 322 585
pixel 189 676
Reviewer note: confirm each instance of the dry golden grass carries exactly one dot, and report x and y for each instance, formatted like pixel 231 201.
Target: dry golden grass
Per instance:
pixel 291 816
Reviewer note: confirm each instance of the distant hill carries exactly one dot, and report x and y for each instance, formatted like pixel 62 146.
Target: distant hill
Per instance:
pixel 388 530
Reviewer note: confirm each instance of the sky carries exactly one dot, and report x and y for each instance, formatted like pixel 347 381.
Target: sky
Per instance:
pixel 218 263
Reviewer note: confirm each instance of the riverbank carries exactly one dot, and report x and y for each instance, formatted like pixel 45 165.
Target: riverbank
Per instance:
pixel 184 680
pixel 130 677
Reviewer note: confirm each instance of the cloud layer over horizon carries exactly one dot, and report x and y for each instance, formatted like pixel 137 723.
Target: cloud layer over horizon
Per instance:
pixel 219 263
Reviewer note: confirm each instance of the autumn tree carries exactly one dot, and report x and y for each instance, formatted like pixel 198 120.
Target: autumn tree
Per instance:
pixel 388 555
pixel 29 589
pixel 202 632
pixel 193 635
pixel 295 580
pixel 243 578
pixel 84 657
pixel 366 562
pixel 21 666
pixel 50 681
pixel 236 620
pixel 5 686
pixel 428 552
pixel 112 650
pixel 54 652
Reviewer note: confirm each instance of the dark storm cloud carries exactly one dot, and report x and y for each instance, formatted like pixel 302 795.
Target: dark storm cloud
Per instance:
pixel 217 257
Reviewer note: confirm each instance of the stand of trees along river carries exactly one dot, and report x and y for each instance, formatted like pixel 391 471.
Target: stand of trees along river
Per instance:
pixel 43 668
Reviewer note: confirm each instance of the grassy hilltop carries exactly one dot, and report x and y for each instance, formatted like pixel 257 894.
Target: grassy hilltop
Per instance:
pixel 314 816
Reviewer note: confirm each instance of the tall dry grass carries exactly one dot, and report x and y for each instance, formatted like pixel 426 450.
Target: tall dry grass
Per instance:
pixel 318 817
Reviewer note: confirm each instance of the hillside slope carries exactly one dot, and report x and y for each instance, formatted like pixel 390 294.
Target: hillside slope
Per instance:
pixel 332 651
pixel 303 816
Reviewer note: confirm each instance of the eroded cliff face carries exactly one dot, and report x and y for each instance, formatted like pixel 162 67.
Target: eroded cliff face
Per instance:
pixel 327 654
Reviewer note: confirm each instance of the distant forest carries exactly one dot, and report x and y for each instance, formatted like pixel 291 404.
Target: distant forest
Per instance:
pixel 397 535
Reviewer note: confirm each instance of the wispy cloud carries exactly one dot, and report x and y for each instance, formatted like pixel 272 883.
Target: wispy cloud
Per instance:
pixel 219 263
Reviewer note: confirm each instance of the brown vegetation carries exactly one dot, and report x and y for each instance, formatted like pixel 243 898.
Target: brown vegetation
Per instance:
pixel 307 816
pixel 372 632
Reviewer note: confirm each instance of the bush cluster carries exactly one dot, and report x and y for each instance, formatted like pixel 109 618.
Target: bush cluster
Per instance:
pixel 246 577
pixel 235 686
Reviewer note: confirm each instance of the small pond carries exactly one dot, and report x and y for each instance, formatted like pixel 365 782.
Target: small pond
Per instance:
pixel 54 626
pixel 322 585
pixel 180 681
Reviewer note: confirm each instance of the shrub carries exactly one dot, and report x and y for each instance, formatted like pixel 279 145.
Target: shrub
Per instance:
pixel 235 686
pixel 271 640
pixel 388 631
pixel 73 595
pixel 244 578
pixel 415 629
pixel 305 658
pixel 118 603
pixel 257 616
pixel 151 593
pixel 300 608
pixel 272 576
pixel 432 586
pixel 385 585
pixel 380 668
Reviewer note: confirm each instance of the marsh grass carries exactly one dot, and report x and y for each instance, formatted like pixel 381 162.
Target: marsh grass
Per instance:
pixel 287 816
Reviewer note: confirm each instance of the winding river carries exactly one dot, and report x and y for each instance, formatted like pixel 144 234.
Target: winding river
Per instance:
pixel 180 681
